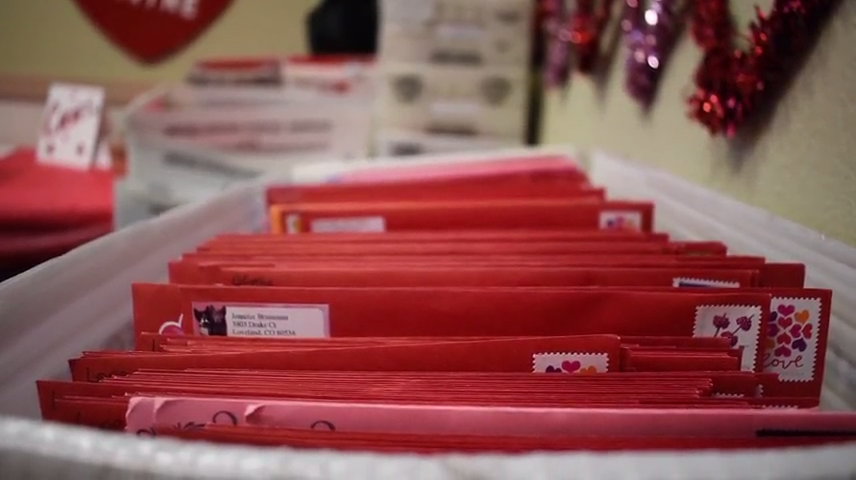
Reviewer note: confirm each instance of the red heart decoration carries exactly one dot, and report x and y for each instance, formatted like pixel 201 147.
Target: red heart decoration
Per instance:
pixel 783 351
pixel 783 339
pixel 571 367
pixel 796 331
pixel 152 30
pixel 786 309
pixel 785 322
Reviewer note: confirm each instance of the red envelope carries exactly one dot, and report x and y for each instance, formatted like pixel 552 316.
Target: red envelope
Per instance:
pixel 562 186
pixel 641 361
pixel 581 354
pixel 459 215
pixel 543 167
pixel 36 196
pixel 325 250
pixel 191 268
pixel 455 312
pixel 441 237
pixel 69 401
pixel 392 276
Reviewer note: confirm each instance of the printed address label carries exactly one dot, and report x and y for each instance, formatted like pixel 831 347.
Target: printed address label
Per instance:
pixel 349 225
pixel 303 321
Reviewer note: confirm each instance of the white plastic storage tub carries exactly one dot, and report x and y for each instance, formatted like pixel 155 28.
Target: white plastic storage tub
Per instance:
pixel 186 143
pixel 81 301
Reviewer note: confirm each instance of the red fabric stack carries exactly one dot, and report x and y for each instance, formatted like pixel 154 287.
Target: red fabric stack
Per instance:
pixel 47 210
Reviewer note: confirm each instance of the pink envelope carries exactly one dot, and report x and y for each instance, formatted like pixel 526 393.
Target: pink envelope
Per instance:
pixel 144 413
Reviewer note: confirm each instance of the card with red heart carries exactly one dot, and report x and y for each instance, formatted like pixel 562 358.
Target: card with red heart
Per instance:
pixel 151 31
pixel 71 125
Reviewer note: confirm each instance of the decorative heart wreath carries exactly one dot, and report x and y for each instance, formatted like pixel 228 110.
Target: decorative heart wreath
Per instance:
pixel 732 83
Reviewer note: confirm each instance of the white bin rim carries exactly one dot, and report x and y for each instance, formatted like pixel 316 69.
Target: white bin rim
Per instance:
pixel 38 450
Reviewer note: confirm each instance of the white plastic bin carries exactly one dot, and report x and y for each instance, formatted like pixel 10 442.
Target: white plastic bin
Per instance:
pixel 81 301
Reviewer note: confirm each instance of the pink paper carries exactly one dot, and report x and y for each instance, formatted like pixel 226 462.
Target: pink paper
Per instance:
pixel 146 412
pixel 546 163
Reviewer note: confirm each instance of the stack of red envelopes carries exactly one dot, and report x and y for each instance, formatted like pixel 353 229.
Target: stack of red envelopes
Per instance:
pixel 47 210
pixel 485 307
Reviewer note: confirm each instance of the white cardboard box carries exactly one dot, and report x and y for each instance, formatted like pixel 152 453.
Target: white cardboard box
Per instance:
pixel 457 32
pixel 490 102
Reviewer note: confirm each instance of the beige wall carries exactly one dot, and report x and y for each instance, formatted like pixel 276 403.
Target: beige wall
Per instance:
pixel 52 37
pixel 802 166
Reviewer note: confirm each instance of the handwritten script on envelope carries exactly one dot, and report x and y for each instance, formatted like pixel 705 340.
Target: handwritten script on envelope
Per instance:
pixel 70 126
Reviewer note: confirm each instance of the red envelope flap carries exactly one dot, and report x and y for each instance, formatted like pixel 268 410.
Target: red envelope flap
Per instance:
pixel 784 275
pixel 197 268
pixel 157 309
pixel 442 237
pixel 464 276
pixel 681 342
pixel 544 167
pixel 566 185
pixel 618 259
pixel 461 312
pixel 608 308
pixel 580 354
pixel 680 362
pixel 472 215
pixel 45 196
pixel 700 248
pixel 192 272
pixel 454 248
pixel 101 413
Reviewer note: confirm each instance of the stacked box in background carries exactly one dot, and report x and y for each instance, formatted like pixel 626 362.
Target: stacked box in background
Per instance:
pixel 239 118
pixel 452 75
pixel 344 75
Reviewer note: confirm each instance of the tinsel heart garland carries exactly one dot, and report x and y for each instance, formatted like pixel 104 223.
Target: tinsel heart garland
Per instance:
pixel 573 35
pixel 586 25
pixel 650 34
pixel 733 83
pixel 557 40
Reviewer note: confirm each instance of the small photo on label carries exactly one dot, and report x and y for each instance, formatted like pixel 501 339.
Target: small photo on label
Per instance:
pixel 265 320
pixel 210 319
pixel 621 220
pixel 349 225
